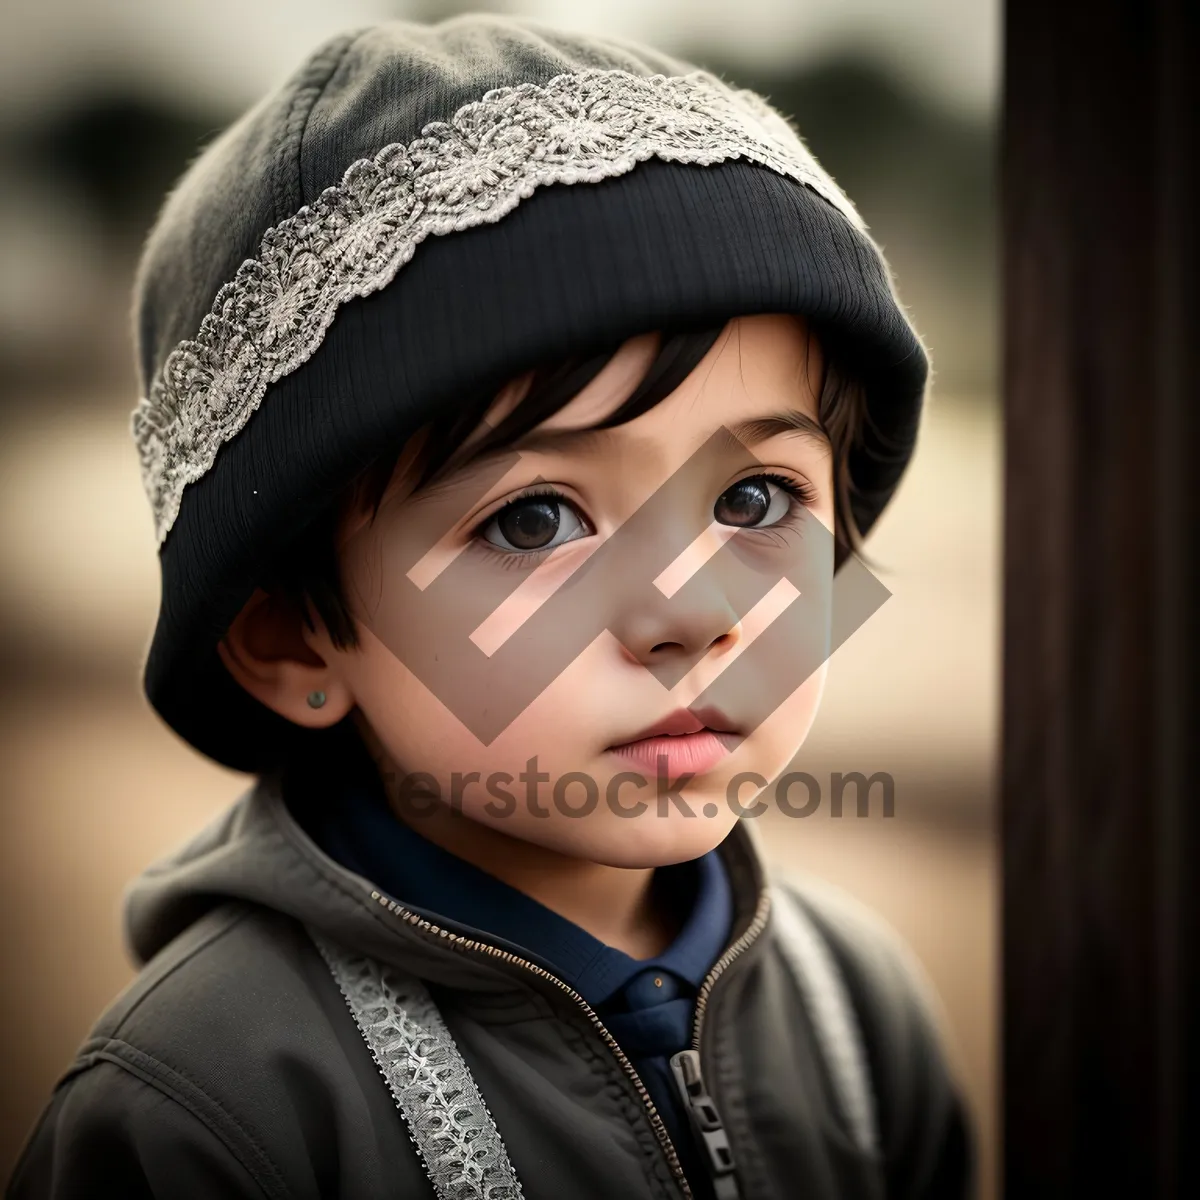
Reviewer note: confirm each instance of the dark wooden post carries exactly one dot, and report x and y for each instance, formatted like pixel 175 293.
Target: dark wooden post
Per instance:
pixel 1100 797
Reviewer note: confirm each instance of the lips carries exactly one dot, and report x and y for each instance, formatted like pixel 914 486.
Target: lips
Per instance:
pixel 682 743
pixel 682 722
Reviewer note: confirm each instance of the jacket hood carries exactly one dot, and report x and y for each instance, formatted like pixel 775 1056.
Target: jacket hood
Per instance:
pixel 258 852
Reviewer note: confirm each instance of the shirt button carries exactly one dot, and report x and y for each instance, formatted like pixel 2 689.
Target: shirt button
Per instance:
pixel 657 981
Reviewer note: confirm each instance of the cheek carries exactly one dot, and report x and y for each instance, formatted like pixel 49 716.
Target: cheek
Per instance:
pixel 412 723
pixel 563 727
pixel 774 743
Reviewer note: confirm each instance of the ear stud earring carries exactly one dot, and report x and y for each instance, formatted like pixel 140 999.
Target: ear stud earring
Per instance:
pixel 316 699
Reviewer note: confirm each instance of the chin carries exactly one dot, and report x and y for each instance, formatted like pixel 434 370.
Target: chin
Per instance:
pixel 653 841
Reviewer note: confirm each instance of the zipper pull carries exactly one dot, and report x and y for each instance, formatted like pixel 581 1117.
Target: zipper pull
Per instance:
pixel 706 1122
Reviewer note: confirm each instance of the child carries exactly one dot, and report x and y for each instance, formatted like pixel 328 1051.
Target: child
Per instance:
pixel 511 399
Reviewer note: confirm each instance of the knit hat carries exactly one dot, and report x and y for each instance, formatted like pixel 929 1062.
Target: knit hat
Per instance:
pixel 449 205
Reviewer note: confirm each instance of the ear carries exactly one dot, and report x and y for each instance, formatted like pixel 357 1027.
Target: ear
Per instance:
pixel 270 651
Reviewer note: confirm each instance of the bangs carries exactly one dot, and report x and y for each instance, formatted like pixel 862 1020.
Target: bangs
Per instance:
pixel 552 387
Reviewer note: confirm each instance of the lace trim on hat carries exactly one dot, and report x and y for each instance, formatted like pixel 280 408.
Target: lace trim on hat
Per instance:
pixel 447 1118
pixel 352 240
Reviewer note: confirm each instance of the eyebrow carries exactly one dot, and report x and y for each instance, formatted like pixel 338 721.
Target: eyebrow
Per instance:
pixel 748 432
pixel 787 421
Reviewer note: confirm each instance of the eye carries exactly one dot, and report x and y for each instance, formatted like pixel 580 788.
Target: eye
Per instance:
pixel 534 522
pixel 756 502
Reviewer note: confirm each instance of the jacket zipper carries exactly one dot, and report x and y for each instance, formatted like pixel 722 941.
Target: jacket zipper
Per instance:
pixel 660 1130
pixel 689 1079
pixel 756 926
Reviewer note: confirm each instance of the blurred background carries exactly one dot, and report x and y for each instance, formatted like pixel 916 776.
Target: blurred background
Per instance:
pixel 101 107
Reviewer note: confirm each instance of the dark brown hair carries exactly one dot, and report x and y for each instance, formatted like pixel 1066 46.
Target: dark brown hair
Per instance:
pixel 307 569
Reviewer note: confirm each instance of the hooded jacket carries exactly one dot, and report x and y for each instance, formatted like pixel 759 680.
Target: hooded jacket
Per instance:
pixel 232 1067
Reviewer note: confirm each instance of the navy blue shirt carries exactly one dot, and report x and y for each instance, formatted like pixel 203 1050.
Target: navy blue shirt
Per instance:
pixel 647 1004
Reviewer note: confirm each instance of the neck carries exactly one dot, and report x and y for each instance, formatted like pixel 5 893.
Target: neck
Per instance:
pixel 616 905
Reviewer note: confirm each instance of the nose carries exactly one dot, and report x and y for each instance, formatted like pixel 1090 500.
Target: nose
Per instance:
pixel 668 636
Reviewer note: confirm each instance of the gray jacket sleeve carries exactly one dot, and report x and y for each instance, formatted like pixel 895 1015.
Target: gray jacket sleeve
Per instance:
pixel 925 1131
pixel 107 1132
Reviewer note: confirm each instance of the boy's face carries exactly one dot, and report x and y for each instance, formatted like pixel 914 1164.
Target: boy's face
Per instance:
pixel 605 642
pixel 517 609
